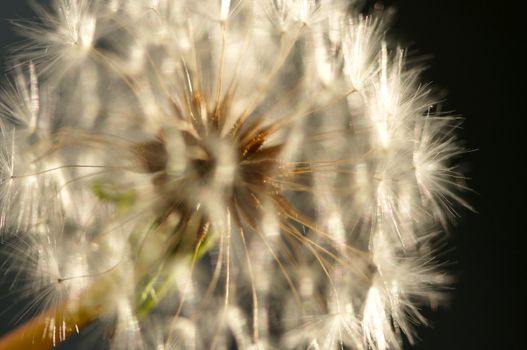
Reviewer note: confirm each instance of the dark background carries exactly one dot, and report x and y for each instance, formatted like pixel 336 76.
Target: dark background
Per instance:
pixel 474 51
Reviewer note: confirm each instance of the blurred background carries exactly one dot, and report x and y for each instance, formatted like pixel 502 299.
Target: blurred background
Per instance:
pixel 473 50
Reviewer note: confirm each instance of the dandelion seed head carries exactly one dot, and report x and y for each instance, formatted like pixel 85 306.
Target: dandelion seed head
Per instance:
pixel 223 173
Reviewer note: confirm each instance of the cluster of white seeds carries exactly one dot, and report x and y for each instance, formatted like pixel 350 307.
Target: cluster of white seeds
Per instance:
pixel 217 174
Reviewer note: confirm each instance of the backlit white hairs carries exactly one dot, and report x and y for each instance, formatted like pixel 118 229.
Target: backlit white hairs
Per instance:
pixel 216 174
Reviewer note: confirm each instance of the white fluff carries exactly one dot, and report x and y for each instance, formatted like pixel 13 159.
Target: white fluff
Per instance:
pixel 268 174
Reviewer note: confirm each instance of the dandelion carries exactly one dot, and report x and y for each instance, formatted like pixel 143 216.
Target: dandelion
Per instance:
pixel 221 174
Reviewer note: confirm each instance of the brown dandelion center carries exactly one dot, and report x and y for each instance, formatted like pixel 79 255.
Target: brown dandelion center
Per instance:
pixel 238 165
pixel 203 167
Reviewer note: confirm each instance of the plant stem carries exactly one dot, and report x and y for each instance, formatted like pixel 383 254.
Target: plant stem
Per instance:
pixel 40 333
